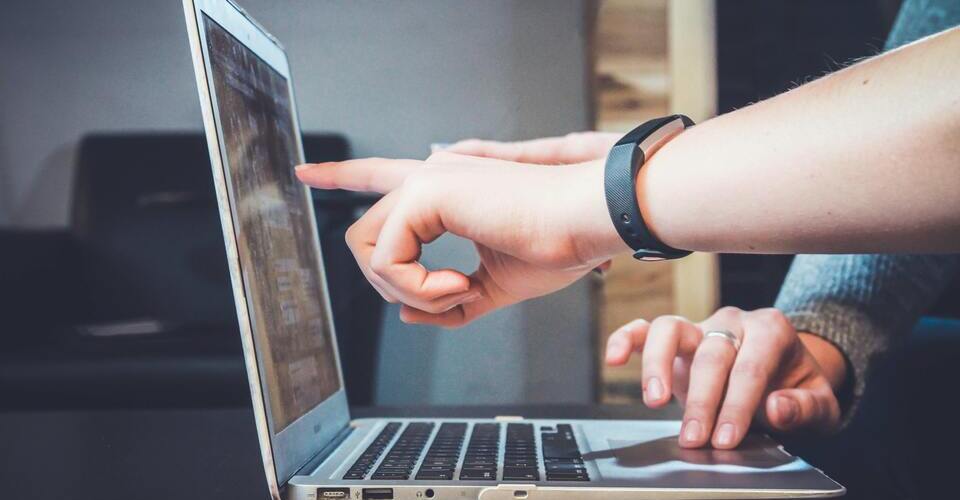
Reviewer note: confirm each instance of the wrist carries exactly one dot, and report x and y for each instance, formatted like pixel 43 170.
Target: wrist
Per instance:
pixel 592 233
pixel 654 197
pixel 828 356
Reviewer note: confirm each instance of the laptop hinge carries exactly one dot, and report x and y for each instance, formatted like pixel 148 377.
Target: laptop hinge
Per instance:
pixel 325 452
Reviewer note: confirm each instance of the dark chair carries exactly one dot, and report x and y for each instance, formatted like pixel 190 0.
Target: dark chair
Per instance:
pixel 131 306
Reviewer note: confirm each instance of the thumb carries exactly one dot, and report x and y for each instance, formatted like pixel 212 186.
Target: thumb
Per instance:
pixel 805 408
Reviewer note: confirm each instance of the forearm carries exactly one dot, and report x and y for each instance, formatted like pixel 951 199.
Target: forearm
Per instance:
pixel 864 160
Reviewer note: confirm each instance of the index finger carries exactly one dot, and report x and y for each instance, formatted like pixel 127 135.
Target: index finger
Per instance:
pixel 768 343
pixel 378 175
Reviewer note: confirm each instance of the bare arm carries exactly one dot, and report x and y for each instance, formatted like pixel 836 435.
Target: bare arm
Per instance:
pixel 863 160
pixel 866 160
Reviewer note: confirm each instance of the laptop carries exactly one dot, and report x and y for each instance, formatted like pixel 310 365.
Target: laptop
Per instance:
pixel 311 448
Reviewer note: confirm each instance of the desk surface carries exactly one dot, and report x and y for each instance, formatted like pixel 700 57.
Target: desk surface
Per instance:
pixel 179 454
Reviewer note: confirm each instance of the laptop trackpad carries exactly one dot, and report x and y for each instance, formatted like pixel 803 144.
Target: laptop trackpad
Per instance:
pixel 754 452
pixel 659 461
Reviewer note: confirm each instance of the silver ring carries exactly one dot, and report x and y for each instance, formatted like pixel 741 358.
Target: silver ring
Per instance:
pixel 725 335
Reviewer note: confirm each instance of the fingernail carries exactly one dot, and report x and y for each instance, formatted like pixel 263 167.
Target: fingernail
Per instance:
pixel 691 431
pixel 726 434
pixel 787 409
pixel 302 166
pixel 654 390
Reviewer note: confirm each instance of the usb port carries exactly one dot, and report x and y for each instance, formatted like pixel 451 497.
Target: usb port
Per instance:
pixel 333 493
pixel 378 494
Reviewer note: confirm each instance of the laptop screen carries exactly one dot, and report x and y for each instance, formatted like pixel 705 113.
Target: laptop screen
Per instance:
pixel 274 228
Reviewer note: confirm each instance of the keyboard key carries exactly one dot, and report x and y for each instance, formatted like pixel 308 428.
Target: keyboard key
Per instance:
pixel 561 455
pixel 480 461
pixel 441 459
pixel 474 475
pixel 399 462
pixel 521 474
pixel 435 475
pixel 362 466
pixel 558 476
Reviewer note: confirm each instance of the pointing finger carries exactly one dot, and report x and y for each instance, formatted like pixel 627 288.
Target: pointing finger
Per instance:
pixel 377 175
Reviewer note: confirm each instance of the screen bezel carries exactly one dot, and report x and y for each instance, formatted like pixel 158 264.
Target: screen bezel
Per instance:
pixel 284 452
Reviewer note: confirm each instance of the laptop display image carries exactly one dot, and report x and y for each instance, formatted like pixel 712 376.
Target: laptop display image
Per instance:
pixel 310 447
pixel 273 229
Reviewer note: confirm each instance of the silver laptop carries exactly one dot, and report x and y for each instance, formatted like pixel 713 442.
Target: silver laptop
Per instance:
pixel 311 448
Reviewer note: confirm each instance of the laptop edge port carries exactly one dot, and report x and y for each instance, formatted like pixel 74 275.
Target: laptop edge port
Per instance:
pixel 332 493
pixel 378 494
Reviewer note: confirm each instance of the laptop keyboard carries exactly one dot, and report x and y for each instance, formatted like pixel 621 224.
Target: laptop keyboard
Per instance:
pixel 520 454
pixel 370 456
pixel 559 454
pixel 483 453
pixel 444 454
pixel 405 453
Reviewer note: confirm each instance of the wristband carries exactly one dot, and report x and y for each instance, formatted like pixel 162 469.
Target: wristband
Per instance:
pixel 625 160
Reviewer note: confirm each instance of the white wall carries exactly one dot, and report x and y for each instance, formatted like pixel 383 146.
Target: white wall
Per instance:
pixel 393 76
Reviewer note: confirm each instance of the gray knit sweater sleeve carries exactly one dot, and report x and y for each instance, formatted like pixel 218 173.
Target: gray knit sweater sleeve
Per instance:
pixel 863 303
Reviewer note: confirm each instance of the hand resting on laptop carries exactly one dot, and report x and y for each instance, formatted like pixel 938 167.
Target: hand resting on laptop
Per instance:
pixel 783 379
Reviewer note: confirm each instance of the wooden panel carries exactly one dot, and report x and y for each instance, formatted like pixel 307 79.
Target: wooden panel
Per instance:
pixel 633 85
pixel 693 91
pixel 645 69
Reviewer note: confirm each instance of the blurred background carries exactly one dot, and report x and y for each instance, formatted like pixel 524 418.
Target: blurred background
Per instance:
pixel 113 288
pixel 118 335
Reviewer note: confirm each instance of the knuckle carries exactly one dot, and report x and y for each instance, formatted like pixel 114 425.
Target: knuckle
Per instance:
pixel 379 265
pixel 727 316
pixel 709 358
pixel 728 312
pixel 774 318
pixel 625 332
pixel 635 324
pixel 351 235
pixel 668 324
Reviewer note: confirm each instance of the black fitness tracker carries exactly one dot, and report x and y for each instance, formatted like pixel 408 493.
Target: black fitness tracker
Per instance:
pixel 619 181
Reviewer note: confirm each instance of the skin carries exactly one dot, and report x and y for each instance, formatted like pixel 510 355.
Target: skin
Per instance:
pixel 784 380
pixel 819 169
